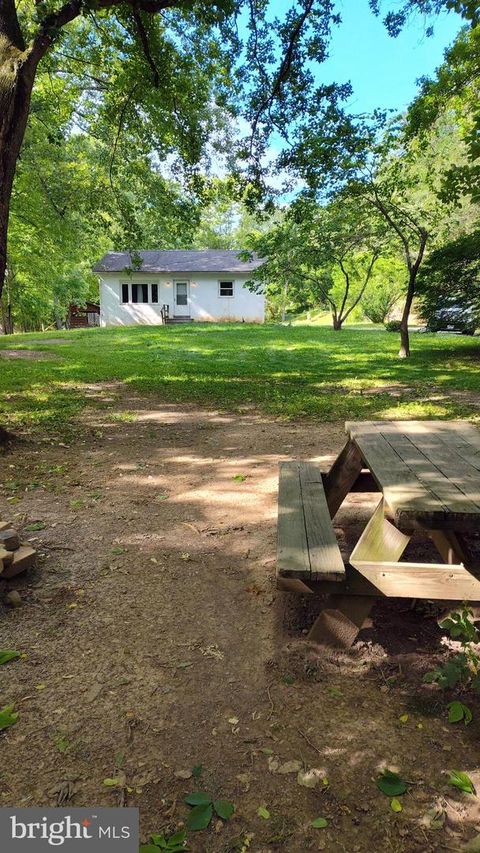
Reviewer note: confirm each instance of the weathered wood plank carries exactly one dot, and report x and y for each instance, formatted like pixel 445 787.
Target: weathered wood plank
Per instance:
pixel 342 475
pixel 339 623
pixel 325 557
pixel 421 580
pixel 424 480
pixel 380 540
pixel 292 553
pixel 431 463
pixel 307 546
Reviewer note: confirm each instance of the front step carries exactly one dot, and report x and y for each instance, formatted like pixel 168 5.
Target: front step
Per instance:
pixel 172 320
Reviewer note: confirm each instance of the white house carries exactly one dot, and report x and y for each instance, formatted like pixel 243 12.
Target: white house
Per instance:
pixel 183 285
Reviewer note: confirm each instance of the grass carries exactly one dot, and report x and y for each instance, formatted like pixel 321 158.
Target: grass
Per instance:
pixel 286 371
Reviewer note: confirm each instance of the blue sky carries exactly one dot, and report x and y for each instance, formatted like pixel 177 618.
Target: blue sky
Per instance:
pixel 383 71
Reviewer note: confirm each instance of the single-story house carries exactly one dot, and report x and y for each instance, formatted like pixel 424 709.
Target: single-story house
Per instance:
pixel 153 287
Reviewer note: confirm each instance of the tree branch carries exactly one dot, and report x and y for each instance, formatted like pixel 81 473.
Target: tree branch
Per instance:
pixel 283 71
pixel 9 25
pixel 143 35
pixel 52 23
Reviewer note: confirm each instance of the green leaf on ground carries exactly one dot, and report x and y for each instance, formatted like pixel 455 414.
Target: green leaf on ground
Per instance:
pixel 396 805
pixel 320 823
pixel 8 717
pixel 239 478
pixel 457 711
pixel 461 780
pixel 391 784
pixel 263 812
pixel 112 783
pixel 197 770
pixel 148 848
pixel 6 655
pixel 35 525
pixel 198 798
pixel 175 844
pixel 200 817
pixel 224 809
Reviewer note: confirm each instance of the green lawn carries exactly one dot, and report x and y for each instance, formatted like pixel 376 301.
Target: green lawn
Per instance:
pixel 287 371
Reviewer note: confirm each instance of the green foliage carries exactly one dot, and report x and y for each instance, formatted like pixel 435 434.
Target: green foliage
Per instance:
pixel 8 717
pixel 451 97
pixel 461 780
pixel 457 711
pixel 175 843
pixel 203 809
pixel 391 784
pixel 7 655
pixel 385 290
pixel 451 276
pixel 392 326
pixel 320 256
pixel 320 823
pixel 463 668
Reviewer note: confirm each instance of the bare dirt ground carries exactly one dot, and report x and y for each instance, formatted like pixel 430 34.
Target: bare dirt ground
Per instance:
pixel 155 641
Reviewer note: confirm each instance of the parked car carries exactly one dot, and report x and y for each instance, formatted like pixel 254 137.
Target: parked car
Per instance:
pixel 455 318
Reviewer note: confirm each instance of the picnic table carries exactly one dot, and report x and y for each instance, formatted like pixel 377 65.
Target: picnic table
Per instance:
pixel 427 474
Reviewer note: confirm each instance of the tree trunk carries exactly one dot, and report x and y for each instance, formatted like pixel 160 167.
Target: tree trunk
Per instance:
pixel 337 324
pixel 404 350
pixel 17 74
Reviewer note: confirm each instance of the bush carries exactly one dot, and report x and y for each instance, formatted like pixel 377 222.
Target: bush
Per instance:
pixel 393 326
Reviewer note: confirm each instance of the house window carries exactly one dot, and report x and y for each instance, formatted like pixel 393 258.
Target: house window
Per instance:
pixel 225 288
pixel 138 293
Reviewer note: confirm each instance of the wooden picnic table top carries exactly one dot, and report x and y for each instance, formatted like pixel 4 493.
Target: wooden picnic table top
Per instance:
pixel 428 471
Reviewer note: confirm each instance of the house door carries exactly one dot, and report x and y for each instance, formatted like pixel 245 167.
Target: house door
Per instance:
pixel 182 302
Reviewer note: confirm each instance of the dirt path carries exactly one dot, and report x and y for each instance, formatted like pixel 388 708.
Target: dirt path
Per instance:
pixel 155 642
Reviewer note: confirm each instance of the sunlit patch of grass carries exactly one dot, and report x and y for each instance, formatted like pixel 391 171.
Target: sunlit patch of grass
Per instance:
pixel 291 372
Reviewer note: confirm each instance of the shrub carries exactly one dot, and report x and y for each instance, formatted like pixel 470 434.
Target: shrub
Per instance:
pixel 393 326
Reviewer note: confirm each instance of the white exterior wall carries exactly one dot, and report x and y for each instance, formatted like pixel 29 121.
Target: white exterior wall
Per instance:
pixel 205 303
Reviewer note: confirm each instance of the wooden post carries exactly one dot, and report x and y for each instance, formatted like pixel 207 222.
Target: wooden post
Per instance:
pixel 339 624
pixel 342 476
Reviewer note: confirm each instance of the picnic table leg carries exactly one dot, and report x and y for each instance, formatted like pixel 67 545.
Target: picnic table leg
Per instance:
pixel 339 623
pixel 451 546
pixel 342 476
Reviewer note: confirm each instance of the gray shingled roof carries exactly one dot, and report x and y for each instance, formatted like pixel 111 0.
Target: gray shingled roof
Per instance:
pixel 179 260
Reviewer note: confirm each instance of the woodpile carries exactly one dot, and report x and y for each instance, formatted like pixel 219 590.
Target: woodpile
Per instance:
pixel 15 556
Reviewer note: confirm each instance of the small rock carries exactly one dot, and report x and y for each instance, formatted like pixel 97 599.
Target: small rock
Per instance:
pixel 289 767
pixel 310 778
pixel 183 774
pixel 13 598
pixel 9 539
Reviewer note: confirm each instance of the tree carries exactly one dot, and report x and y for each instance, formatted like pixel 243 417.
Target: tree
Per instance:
pixel 374 162
pixel 451 99
pixel 171 59
pixel 385 291
pixel 330 251
pixel 451 276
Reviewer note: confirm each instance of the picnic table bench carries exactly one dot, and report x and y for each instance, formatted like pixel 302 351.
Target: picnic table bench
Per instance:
pixel 428 475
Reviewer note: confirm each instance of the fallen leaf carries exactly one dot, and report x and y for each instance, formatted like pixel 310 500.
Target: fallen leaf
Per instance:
pixel 320 823
pixel 263 812
pixel 391 784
